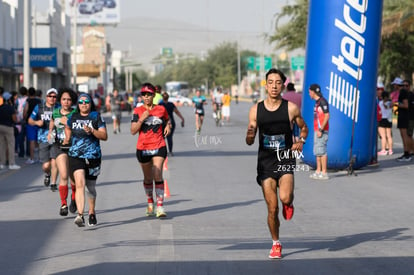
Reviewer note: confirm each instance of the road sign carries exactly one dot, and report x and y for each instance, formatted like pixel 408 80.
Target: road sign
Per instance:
pixel 167 52
pixel 267 63
pixel 250 63
pixel 297 63
pixel 255 63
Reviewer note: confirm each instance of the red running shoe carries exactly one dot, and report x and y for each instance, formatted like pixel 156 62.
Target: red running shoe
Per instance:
pixel 276 251
pixel 288 211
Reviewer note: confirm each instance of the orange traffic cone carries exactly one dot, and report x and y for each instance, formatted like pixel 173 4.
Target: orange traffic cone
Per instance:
pixel 166 189
pixel 166 164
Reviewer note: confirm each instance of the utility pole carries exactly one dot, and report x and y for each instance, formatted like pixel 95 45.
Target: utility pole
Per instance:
pixel 26 46
pixel 34 42
pixel 75 45
pixel 238 69
pixel 262 65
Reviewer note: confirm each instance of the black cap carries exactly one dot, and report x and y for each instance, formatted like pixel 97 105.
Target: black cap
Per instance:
pixel 316 88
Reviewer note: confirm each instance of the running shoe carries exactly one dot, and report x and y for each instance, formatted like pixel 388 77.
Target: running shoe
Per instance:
pixel 287 211
pixel 150 210
pixel 314 175
pixel 14 167
pixel 72 206
pixel 160 212
pixel 92 220
pixel 53 187
pixel 390 152
pixel 79 220
pixel 276 251
pixel 46 181
pixel 63 210
pixel 30 161
pixel 2 167
pixel 323 176
pixel 404 158
pixel 382 153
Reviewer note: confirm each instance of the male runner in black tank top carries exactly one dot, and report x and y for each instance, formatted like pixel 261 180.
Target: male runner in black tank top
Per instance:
pixel 277 153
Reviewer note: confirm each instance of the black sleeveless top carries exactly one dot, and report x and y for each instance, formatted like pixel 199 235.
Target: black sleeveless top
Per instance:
pixel 275 141
pixel 275 130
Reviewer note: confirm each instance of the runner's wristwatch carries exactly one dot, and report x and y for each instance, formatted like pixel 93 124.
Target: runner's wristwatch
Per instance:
pixel 302 139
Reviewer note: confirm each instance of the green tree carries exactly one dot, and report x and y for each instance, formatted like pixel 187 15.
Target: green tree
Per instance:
pixel 222 61
pixel 397 56
pixel 291 35
pixel 396 43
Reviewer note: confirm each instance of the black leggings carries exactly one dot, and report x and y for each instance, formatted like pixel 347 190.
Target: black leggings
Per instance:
pixel 170 138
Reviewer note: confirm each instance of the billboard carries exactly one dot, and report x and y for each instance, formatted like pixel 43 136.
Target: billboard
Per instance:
pixel 94 12
pixel 43 57
pixel 39 57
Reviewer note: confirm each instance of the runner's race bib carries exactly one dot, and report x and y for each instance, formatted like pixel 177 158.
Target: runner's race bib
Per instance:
pixel 150 152
pixel 274 142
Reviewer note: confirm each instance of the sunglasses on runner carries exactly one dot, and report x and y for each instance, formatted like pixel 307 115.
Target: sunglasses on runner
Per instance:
pixel 84 101
pixel 147 94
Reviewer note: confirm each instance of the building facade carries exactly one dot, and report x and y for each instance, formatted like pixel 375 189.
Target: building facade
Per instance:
pixel 49 39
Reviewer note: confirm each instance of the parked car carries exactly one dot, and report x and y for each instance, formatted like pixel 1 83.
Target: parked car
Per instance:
pixel 86 8
pixel 98 6
pixel 109 4
pixel 180 100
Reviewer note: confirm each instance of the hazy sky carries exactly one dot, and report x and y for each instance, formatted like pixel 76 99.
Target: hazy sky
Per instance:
pixel 225 20
pixel 242 16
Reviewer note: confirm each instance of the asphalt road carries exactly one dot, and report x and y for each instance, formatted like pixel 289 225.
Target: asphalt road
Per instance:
pixel 216 220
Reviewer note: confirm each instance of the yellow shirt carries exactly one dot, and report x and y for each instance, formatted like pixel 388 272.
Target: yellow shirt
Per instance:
pixel 157 98
pixel 226 100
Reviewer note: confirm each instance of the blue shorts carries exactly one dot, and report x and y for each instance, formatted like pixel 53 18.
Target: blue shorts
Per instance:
pixel 31 132
pixel 320 144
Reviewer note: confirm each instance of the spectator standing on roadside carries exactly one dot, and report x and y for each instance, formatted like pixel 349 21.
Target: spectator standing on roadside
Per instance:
pixel 7 119
pixel 385 124
pixel 85 128
pixel 292 96
pixel 31 130
pixel 403 121
pixel 171 109
pixel 148 121
pixel 396 85
pixel 40 117
pixel 321 128
pixel 273 117
pixel 21 124
pixel 115 101
pixel 410 129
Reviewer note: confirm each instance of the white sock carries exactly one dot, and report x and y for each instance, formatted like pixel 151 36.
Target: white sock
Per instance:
pixel 276 242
